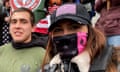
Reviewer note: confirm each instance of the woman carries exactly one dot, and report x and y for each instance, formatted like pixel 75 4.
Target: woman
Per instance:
pixel 73 43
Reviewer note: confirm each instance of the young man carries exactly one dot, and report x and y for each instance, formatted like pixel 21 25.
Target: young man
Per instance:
pixel 25 52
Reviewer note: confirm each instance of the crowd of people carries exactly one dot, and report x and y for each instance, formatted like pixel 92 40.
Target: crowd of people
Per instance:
pixel 59 36
pixel 4 22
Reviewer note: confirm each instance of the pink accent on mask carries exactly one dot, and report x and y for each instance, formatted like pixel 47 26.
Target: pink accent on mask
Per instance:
pixel 81 36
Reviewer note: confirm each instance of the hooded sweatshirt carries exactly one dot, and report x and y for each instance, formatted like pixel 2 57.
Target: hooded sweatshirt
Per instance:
pixel 20 57
pixel 109 21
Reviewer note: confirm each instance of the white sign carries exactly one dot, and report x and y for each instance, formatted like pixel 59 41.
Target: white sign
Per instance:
pixel 31 4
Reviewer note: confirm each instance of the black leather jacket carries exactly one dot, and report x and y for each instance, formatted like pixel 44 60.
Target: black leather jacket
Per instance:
pixel 99 64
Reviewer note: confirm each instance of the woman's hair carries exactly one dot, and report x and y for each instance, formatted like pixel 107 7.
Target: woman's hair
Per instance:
pixel 95 44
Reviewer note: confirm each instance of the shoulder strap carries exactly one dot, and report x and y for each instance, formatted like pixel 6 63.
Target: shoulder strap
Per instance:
pixel 100 63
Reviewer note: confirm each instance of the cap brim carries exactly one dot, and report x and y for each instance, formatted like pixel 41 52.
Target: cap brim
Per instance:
pixel 79 19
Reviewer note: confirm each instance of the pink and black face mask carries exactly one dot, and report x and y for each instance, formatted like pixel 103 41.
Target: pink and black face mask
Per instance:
pixel 70 45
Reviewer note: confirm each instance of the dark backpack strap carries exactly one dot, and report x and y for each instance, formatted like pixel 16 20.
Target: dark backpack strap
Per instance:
pixel 100 63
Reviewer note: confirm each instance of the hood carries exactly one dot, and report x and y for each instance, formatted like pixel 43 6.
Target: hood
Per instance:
pixel 38 40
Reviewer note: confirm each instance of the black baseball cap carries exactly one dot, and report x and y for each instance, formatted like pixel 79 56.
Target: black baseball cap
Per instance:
pixel 72 11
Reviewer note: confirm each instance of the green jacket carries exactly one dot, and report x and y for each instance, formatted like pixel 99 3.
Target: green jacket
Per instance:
pixel 20 60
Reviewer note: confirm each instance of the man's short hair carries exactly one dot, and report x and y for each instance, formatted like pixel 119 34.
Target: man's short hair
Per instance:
pixel 23 9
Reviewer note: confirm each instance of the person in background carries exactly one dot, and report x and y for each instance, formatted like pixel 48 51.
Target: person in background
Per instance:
pixel 50 7
pixel 25 52
pixel 73 43
pixel 109 23
pixel 4 26
pixel 89 4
